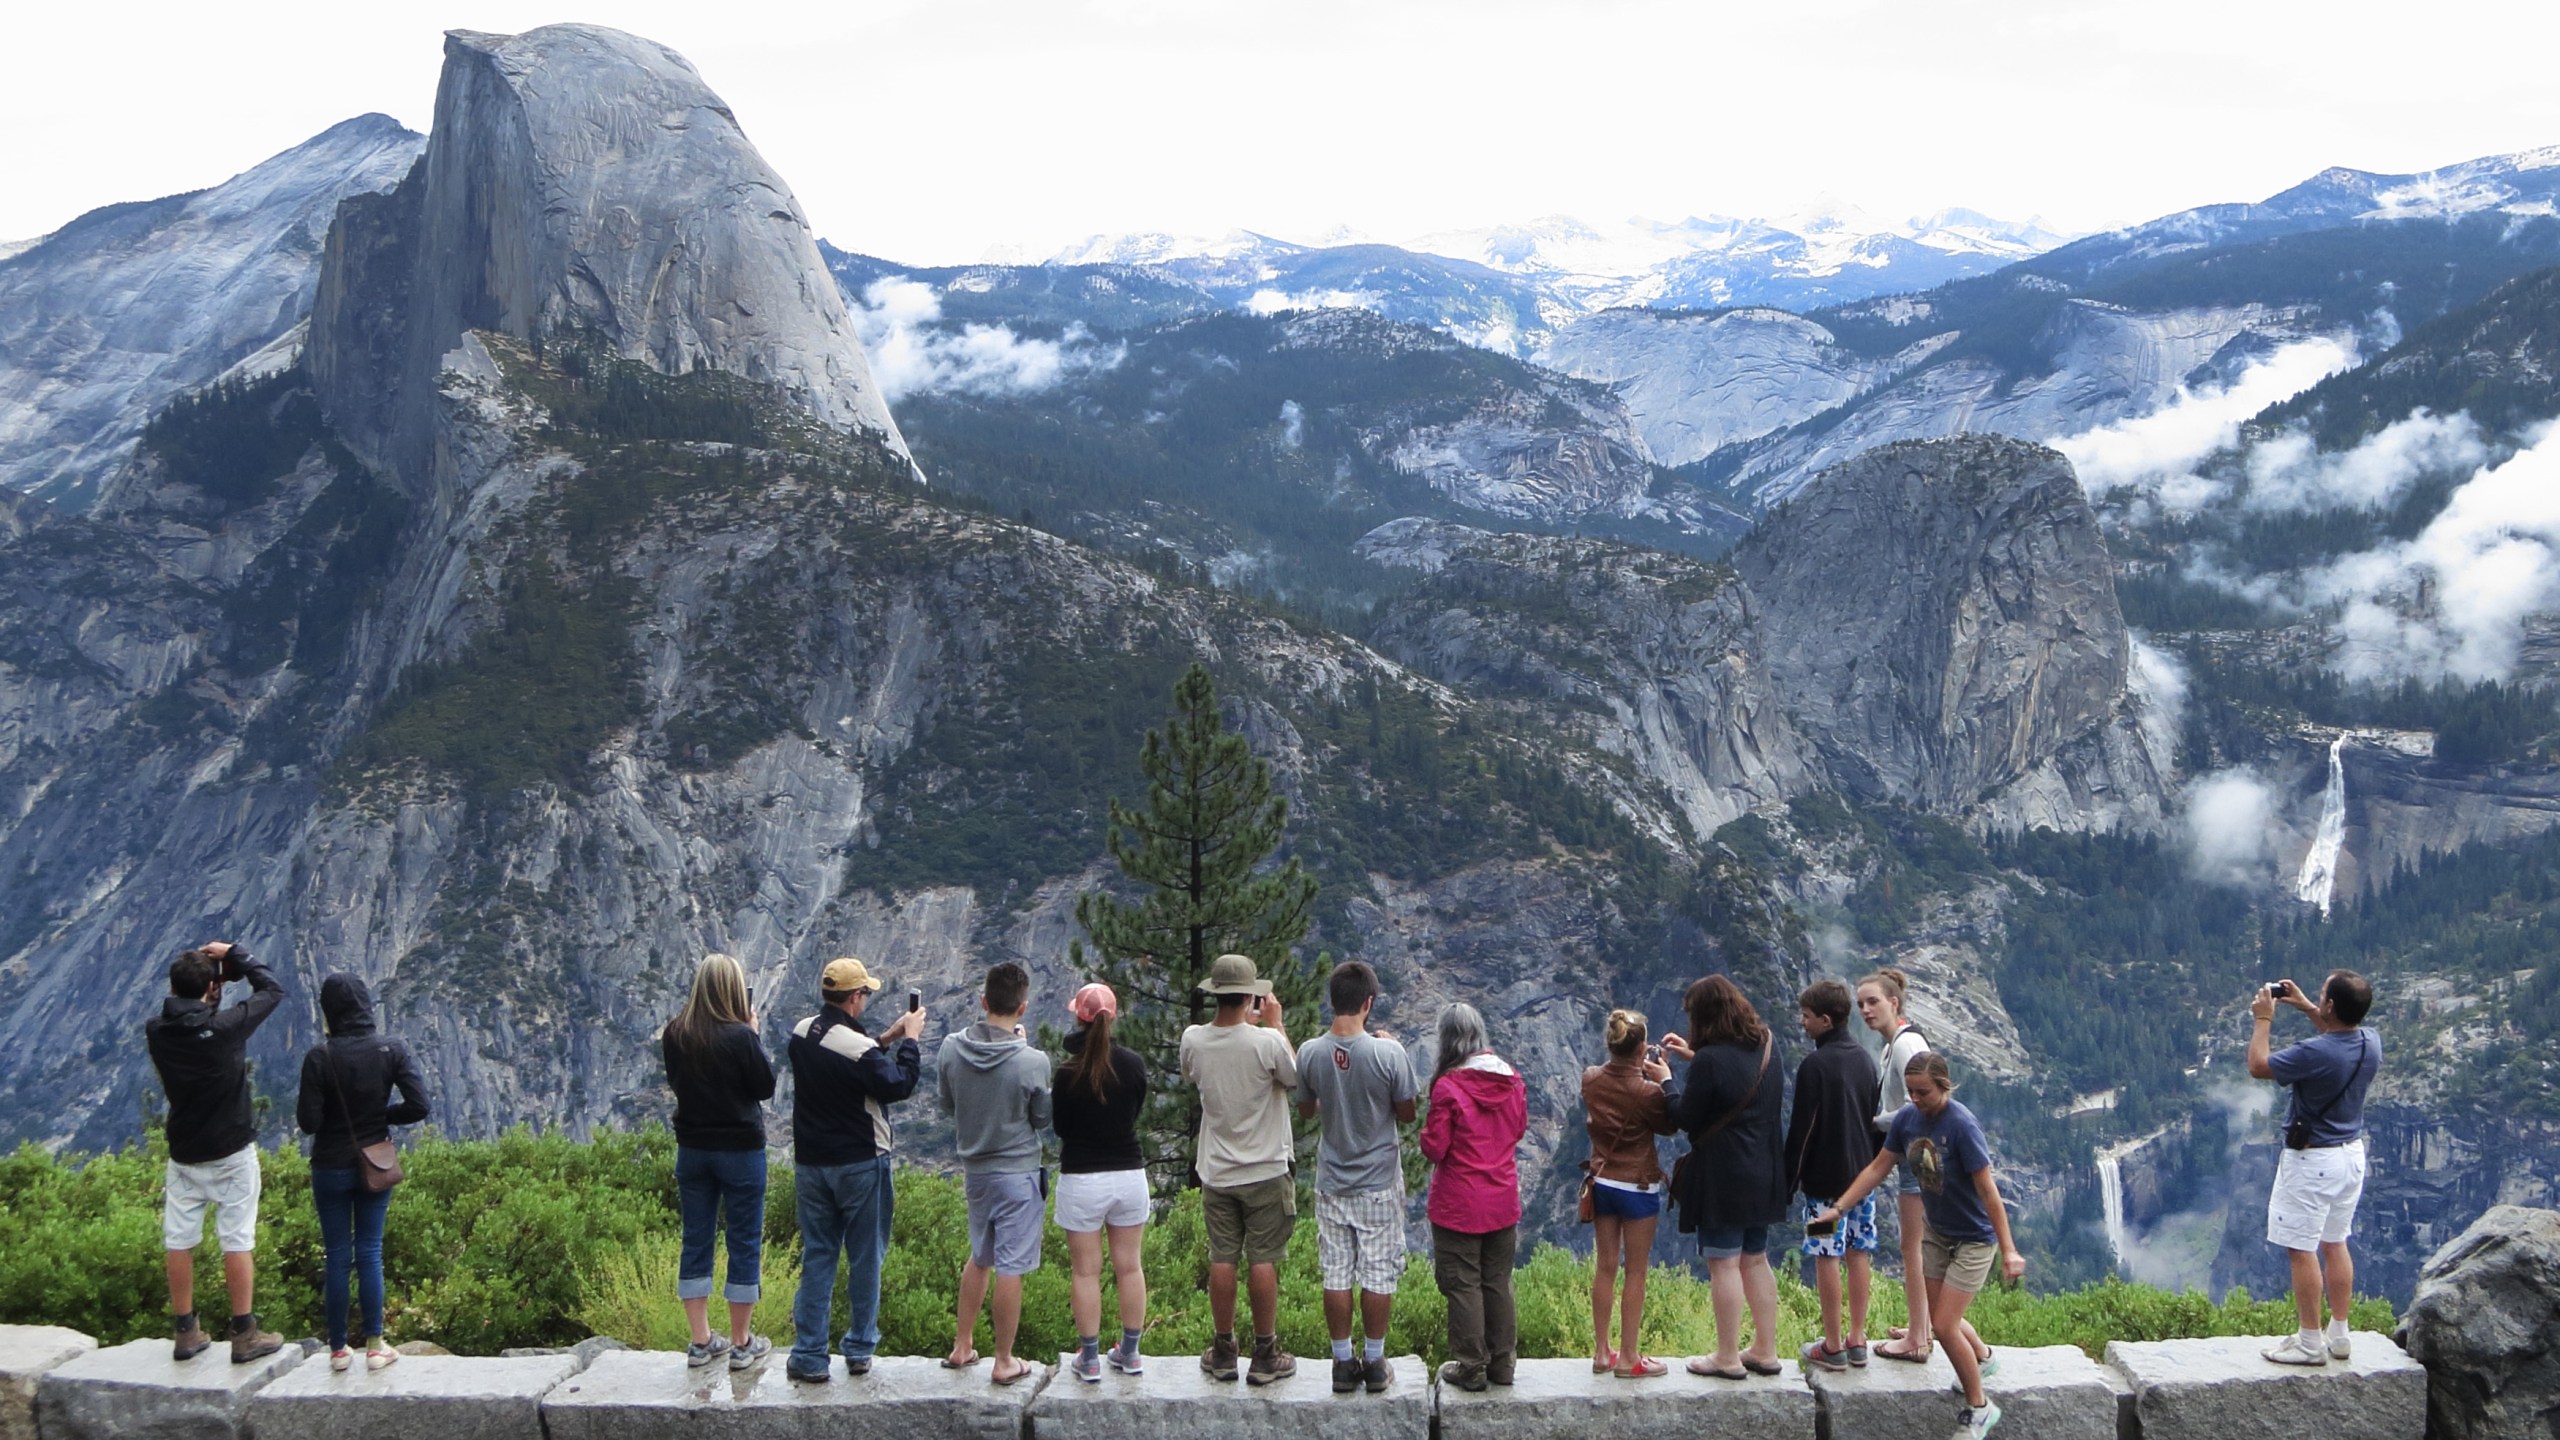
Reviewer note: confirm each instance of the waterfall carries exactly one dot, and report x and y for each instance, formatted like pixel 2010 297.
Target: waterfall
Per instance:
pixel 2111 1191
pixel 2320 867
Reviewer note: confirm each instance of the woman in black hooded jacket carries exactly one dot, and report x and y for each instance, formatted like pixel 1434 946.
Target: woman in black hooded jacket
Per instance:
pixel 345 1105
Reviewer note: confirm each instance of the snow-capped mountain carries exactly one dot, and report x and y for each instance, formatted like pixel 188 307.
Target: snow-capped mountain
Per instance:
pixel 105 320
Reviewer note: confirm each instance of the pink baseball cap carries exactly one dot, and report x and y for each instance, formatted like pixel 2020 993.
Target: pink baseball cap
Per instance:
pixel 1093 1002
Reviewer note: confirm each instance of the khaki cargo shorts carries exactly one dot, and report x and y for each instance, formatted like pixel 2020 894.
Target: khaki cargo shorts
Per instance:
pixel 1250 1224
pixel 1959 1264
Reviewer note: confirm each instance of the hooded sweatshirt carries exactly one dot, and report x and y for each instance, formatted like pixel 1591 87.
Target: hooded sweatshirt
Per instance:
pixel 1471 1136
pixel 996 1088
pixel 202 1054
pixel 347 1080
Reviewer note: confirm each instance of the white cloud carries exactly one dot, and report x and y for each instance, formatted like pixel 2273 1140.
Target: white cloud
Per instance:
pixel 1272 302
pixel 1293 424
pixel 2286 473
pixel 2230 827
pixel 2156 454
pixel 913 354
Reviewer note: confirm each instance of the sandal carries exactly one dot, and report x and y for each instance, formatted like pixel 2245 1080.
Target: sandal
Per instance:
pixel 1644 1368
pixel 950 1364
pixel 1001 1378
pixel 1916 1357
pixel 1604 1361
pixel 1757 1368
pixel 1700 1366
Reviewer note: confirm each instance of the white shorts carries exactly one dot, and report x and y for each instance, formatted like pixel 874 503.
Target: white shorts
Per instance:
pixel 230 1184
pixel 1360 1240
pixel 2314 1199
pixel 1088 1202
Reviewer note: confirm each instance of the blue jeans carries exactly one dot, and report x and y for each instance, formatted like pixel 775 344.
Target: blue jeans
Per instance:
pixel 351 1234
pixel 716 1185
pixel 847 1209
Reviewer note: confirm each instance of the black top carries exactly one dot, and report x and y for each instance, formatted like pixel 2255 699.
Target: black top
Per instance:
pixel 842 1083
pixel 353 1072
pixel 1828 1139
pixel 202 1054
pixel 1735 1176
pixel 720 1092
pixel 1099 1135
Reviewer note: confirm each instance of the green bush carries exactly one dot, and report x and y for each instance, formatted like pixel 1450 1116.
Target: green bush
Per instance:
pixel 538 1239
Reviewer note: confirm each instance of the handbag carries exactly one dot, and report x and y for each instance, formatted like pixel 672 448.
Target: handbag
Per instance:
pixel 377 1164
pixel 1680 1168
pixel 1584 1209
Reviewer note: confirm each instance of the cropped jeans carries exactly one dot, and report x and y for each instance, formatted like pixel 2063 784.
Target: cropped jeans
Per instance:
pixel 844 1209
pixel 351 1237
pixel 721 1189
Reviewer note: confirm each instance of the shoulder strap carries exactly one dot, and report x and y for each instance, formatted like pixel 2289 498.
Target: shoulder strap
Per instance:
pixel 1768 1044
pixel 346 1112
pixel 2364 1053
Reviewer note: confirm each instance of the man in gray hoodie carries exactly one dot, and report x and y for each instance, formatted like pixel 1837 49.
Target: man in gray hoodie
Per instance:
pixel 996 1088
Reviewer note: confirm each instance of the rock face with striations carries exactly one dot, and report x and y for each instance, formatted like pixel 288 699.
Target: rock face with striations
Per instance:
pixel 579 182
pixel 1942 620
pixel 2486 1324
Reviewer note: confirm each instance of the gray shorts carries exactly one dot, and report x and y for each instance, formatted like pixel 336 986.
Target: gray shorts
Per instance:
pixel 1005 1211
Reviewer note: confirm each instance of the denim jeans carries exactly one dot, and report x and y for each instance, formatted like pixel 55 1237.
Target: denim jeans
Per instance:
pixel 843 1208
pixel 351 1234
pixel 713 1186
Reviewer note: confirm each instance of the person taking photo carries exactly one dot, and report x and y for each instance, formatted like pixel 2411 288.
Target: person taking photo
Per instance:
pixel 1244 1068
pixel 2311 1210
pixel 1624 1107
pixel 1360 1087
pixel 200 1047
pixel 843 1082
pixel 995 1087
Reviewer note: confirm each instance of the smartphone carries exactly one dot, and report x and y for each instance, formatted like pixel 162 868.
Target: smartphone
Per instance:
pixel 915 1000
pixel 1822 1228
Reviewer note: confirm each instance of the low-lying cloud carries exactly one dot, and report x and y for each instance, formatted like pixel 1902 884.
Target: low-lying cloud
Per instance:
pixel 2157 454
pixel 2287 473
pixel 913 353
pixel 2230 827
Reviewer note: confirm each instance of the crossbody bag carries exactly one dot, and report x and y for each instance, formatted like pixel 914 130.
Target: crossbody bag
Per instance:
pixel 377 1164
pixel 1680 1168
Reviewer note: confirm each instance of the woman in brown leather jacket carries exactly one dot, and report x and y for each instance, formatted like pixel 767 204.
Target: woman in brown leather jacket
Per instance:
pixel 1625 1108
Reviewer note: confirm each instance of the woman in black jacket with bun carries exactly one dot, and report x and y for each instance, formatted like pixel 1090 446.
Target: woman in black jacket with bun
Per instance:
pixel 345 1105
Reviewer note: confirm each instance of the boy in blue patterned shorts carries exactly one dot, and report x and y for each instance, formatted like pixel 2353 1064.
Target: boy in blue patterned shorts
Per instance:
pixel 1828 1142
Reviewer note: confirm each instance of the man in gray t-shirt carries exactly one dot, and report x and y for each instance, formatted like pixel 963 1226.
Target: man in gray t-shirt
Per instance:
pixel 1362 1087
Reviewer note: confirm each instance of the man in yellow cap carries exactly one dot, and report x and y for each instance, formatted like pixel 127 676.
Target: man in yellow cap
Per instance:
pixel 842 1083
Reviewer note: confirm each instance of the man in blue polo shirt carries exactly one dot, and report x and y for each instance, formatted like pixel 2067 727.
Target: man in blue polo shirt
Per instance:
pixel 2320 1176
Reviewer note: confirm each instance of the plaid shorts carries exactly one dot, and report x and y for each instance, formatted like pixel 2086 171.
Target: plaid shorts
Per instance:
pixel 1360 1240
pixel 1857 1230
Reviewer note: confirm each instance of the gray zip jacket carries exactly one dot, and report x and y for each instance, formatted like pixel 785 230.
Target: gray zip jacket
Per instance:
pixel 996 1089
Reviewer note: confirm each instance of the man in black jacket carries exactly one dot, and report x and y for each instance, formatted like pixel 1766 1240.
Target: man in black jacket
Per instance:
pixel 1828 1143
pixel 842 1082
pixel 202 1053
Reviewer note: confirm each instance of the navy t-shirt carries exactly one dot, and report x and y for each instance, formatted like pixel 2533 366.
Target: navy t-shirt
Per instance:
pixel 2329 1074
pixel 1944 1154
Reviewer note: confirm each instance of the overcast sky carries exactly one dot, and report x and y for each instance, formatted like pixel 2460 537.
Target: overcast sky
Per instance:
pixel 932 130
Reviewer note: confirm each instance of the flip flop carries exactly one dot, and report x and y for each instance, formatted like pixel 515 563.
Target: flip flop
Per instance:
pixel 950 1364
pixel 1701 1367
pixel 1016 1377
pixel 1922 1358
pixel 1645 1368
pixel 1758 1369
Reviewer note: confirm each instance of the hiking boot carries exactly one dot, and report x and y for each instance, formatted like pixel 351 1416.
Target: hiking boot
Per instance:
pixel 1466 1377
pixel 1218 1362
pixel 1270 1362
pixel 248 1342
pixel 1972 1424
pixel 1498 1370
pixel 2293 1350
pixel 1377 1374
pixel 187 1341
pixel 1346 1376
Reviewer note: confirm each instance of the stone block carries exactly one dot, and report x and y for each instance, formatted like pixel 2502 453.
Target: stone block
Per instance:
pixel 2222 1389
pixel 2051 1392
pixel 1564 1400
pixel 650 1395
pixel 135 1391
pixel 26 1352
pixel 1173 1400
pixel 424 1397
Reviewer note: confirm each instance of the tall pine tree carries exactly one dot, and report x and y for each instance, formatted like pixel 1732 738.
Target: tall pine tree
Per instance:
pixel 1197 856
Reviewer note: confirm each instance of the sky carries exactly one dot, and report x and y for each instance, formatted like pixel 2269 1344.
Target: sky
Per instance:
pixel 943 131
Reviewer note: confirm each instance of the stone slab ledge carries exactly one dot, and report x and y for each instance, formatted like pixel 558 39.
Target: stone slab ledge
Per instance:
pixel 1176 1400
pixel 2223 1389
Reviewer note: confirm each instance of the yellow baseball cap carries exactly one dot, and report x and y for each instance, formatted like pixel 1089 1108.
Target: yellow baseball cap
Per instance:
pixel 846 975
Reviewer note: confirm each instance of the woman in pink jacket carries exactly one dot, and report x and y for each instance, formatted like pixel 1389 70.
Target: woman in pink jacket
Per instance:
pixel 1479 1111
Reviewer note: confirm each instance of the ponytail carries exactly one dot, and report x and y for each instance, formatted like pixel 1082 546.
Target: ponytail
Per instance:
pixel 1092 1064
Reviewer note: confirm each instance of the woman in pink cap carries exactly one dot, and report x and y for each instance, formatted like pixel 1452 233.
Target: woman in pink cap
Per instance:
pixel 1102 1178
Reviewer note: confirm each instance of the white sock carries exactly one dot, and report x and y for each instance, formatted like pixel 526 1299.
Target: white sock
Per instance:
pixel 2309 1338
pixel 1341 1349
pixel 1373 1348
pixel 2338 1328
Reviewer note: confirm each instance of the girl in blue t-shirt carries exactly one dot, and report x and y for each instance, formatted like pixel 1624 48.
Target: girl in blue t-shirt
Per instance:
pixel 1968 1227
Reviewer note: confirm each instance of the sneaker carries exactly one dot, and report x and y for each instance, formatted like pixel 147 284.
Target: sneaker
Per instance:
pixel 1820 1355
pixel 817 1377
pixel 1126 1359
pixel 1377 1374
pixel 1465 1377
pixel 1972 1424
pixel 703 1352
pixel 2293 1350
pixel 855 1365
pixel 1270 1362
pixel 1218 1362
pixel 342 1360
pixel 188 1341
pixel 2339 1347
pixel 248 1342
pixel 1346 1376
pixel 1087 1366
pixel 1858 1354
pixel 751 1354
pixel 378 1354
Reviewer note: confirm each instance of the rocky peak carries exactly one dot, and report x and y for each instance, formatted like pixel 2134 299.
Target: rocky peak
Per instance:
pixel 581 182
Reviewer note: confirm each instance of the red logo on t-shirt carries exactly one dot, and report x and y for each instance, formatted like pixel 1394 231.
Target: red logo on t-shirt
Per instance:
pixel 1341 1058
